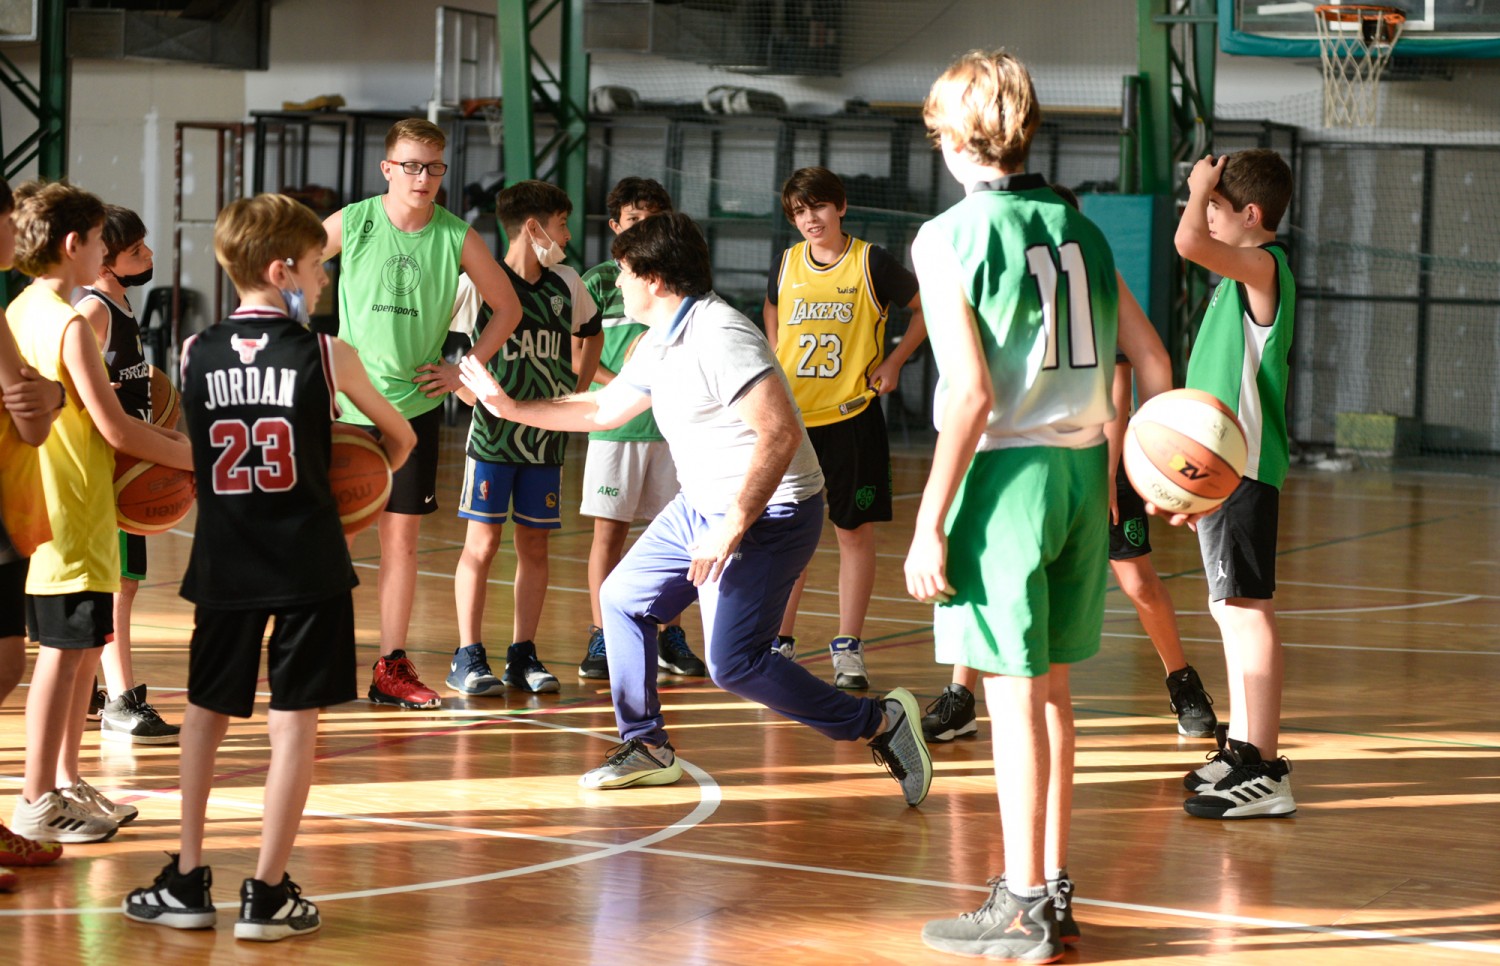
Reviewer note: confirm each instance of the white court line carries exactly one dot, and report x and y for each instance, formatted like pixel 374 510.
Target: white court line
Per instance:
pixel 1141 636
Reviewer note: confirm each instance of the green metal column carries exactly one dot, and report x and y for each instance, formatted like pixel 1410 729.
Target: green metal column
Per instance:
pixel 527 82
pixel 1177 48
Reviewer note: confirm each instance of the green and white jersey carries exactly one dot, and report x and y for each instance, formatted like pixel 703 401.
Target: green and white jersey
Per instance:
pixel 1041 280
pixel 1245 365
pixel 534 364
pixel 396 293
pixel 619 332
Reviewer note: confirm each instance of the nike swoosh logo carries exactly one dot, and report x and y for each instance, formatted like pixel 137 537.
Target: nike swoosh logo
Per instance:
pixel 798 284
pixel 428 499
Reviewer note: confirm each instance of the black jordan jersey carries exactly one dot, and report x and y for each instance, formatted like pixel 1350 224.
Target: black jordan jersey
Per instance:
pixel 258 396
pixel 124 357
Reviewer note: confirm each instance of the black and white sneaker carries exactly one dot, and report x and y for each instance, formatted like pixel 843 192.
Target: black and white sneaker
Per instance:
pixel 675 657
pixel 469 672
pixel 950 715
pixel 130 718
pixel 901 747
pixel 98 698
pixel 1253 788
pixel 524 670
pixel 179 900
pixel 1192 705
pixel 1205 778
pixel 848 656
pixel 271 912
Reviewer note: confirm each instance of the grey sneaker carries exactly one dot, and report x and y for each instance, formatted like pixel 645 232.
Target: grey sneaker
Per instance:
pixel 848 664
pixel 1005 928
pixel 89 798
pixel 786 646
pixel 634 763
pixel 1203 779
pixel 524 670
pixel 902 749
pixel 176 900
pixel 130 718
pixel 595 663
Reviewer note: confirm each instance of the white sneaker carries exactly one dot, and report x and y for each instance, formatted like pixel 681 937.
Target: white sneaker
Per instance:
pixel 848 664
pixel 53 818
pixel 634 763
pixel 91 800
pixel 786 646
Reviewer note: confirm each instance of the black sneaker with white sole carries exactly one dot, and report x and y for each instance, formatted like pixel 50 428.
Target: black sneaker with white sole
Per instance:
pixel 1192 705
pixel 1206 777
pixel 675 657
pixel 131 718
pixel 271 912
pixel 950 715
pixel 176 899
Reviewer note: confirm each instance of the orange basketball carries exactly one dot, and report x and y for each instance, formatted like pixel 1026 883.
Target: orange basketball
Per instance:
pixel 149 497
pixel 1184 451
pixel 165 404
pixel 359 475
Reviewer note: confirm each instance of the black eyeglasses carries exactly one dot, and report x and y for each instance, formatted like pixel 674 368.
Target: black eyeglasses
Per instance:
pixel 435 168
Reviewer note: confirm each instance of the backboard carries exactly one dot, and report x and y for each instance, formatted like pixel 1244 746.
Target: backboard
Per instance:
pixel 1434 28
pixel 467 62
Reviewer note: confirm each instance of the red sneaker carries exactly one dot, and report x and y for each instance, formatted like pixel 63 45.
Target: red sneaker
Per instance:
pixel 8 880
pixel 396 682
pixel 17 849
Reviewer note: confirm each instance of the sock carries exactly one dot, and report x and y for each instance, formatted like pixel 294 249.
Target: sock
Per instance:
pixel 1029 893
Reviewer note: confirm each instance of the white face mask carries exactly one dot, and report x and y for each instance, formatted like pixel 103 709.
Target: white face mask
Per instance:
pixel 549 254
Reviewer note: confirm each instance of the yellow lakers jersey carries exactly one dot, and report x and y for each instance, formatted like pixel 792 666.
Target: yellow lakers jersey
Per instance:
pixel 830 330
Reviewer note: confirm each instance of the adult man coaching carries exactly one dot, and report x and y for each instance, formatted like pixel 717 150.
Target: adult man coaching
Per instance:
pixel 743 527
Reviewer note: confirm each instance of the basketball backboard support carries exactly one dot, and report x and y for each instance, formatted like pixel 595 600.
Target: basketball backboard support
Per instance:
pixel 467 63
pixel 1287 28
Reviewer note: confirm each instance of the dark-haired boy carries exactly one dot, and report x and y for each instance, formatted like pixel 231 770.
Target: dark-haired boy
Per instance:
pixel 124 714
pixel 827 301
pixel 513 469
pixel 629 475
pixel 1235 203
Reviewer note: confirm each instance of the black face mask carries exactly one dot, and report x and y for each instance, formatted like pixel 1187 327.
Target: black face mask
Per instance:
pixel 136 280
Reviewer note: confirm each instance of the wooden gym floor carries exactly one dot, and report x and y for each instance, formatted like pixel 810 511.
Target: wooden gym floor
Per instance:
pixel 460 834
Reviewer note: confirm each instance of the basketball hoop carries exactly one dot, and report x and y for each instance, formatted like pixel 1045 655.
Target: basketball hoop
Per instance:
pixel 1356 41
pixel 489 109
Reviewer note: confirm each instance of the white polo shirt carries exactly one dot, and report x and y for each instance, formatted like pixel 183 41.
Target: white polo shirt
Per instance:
pixel 696 370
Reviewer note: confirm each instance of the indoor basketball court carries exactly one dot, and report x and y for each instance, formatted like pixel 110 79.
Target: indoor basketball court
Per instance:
pixel 461 833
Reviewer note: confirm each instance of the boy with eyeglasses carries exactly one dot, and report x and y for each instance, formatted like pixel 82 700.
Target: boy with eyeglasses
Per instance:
pixel 401 255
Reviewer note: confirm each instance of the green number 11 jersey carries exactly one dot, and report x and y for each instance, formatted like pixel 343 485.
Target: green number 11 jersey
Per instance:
pixel 1041 280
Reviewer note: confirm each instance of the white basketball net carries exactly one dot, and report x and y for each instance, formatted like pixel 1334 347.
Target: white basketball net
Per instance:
pixel 1356 43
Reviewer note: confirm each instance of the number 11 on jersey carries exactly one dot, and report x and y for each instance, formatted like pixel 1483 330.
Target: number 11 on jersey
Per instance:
pixel 1082 351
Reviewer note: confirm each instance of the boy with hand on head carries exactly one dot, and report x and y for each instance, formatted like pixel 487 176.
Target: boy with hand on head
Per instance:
pixel 28 404
pixel 511 468
pixel 402 254
pixel 125 714
pixel 72 577
pixel 629 475
pixel 259 391
pixel 1022 302
pixel 827 301
pixel 744 524
pixel 1235 203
